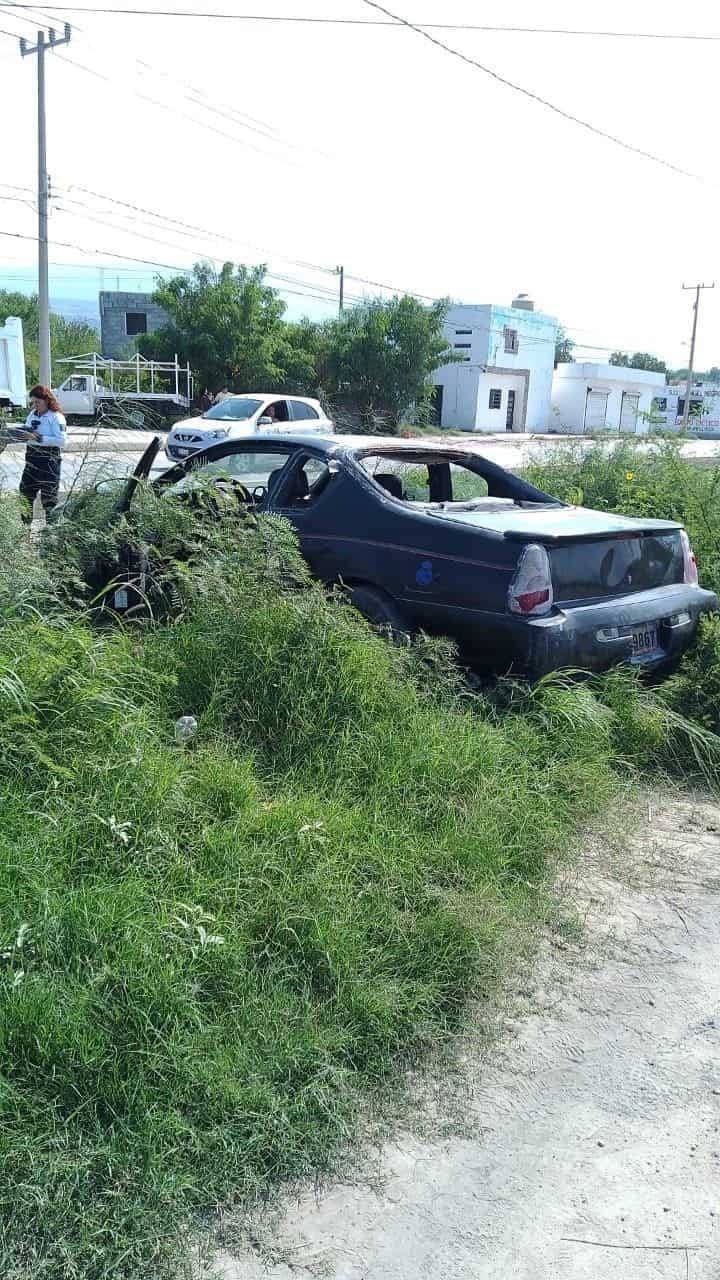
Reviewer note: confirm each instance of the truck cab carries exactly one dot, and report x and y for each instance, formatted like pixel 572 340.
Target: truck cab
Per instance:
pixel 77 394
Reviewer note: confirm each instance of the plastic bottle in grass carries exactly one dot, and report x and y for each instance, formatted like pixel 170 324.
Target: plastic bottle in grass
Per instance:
pixel 185 730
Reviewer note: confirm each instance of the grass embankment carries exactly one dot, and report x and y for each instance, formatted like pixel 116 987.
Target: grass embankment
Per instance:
pixel 210 953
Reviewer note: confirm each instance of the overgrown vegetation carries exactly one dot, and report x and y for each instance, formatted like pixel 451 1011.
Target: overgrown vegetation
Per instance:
pixel 657 482
pixel 210 952
pixel 638 480
pixel 369 365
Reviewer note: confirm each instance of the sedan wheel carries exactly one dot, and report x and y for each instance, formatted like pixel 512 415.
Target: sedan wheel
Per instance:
pixel 380 610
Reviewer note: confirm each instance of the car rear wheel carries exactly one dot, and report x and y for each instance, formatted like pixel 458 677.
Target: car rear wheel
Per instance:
pixel 380 609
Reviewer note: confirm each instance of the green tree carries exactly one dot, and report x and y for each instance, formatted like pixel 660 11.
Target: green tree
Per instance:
pixel 67 337
pixel 378 358
pixel 640 360
pixel 229 325
pixel 564 347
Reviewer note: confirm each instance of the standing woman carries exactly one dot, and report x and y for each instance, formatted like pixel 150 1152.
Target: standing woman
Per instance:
pixel 45 435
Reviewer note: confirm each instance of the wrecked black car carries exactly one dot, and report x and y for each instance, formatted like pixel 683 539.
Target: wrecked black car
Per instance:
pixel 440 539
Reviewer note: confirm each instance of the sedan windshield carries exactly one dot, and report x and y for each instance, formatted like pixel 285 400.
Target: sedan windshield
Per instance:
pixel 235 408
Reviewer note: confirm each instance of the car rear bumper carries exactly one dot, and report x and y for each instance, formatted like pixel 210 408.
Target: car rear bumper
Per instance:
pixel 592 637
pixel 597 636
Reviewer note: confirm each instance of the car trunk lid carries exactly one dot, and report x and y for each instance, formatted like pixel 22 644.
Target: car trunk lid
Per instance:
pixel 593 554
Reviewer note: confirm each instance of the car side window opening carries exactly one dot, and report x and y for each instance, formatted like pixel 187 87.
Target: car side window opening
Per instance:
pixel 305 485
pixel 437 480
pixel 254 471
pixel 277 411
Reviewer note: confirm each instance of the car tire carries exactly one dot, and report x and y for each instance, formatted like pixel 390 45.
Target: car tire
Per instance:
pixel 380 610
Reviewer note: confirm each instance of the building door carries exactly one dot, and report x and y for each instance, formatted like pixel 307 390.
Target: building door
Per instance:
pixel 510 414
pixel 629 412
pixel 437 405
pixel 595 410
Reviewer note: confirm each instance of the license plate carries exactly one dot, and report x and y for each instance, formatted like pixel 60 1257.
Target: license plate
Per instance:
pixel 644 640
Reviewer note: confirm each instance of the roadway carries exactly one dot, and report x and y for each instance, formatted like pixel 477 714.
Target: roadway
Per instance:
pixel 92 455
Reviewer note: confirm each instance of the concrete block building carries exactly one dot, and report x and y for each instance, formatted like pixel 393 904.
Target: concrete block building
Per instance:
pixel 704 415
pixel 123 318
pixel 504 379
pixel 589 397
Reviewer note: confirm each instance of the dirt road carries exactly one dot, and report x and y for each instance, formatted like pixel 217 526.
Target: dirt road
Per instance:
pixel 591 1143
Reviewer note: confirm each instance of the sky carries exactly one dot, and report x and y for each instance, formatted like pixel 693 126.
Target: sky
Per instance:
pixel 309 145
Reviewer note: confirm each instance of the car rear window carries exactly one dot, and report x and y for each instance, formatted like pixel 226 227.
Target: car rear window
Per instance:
pixel 616 566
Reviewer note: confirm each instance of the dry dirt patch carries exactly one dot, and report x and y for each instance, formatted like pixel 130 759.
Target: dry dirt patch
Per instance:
pixel 590 1148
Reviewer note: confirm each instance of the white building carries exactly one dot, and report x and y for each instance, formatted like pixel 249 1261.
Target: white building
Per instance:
pixel 505 378
pixel 704 406
pixel 588 397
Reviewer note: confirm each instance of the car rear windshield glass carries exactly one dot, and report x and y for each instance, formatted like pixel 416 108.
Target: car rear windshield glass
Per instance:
pixel 238 408
pixel 436 479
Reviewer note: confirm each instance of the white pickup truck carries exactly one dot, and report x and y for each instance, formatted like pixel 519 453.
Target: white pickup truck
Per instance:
pixel 137 390
pixel 13 393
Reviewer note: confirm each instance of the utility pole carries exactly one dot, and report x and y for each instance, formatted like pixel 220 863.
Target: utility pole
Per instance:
pixel 340 271
pixel 52 41
pixel 696 308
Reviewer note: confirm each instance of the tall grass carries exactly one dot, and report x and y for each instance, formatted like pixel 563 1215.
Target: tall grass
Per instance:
pixel 638 480
pixel 659 482
pixel 209 953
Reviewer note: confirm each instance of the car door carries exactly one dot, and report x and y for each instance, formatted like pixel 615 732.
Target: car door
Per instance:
pixel 306 416
pixel 345 533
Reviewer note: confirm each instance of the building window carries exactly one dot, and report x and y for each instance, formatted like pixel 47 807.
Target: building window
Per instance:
pixel 135 323
pixel 495 401
pixel 463 346
pixel 695 408
pixel 659 404
pixel 511 341
pixel 463 333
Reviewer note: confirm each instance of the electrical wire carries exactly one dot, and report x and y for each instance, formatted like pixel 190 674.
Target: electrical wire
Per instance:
pixel 305 19
pixel 241 117
pixel 176 111
pixel 225 111
pixel 148 262
pixel 192 227
pixel 528 93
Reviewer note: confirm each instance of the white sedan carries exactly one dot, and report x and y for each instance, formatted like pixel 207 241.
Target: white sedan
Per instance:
pixel 237 416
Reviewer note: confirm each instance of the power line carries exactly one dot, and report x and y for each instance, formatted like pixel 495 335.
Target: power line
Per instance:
pixel 303 19
pixel 148 262
pixel 199 99
pixel 528 93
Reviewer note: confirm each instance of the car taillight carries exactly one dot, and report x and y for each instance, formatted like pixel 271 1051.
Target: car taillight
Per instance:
pixel 531 590
pixel 690 573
